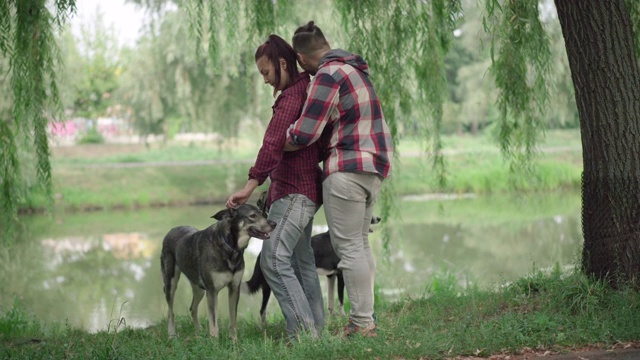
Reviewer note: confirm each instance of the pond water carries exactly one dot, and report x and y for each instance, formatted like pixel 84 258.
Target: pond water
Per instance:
pixel 90 270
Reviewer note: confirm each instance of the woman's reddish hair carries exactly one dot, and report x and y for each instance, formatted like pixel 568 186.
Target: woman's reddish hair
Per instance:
pixel 276 48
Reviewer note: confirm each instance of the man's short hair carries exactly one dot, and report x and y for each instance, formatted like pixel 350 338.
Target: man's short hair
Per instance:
pixel 308 38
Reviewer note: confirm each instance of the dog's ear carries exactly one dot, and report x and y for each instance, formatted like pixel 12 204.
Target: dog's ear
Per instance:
pixel 374 220
pixel 262 202
pixel 224 214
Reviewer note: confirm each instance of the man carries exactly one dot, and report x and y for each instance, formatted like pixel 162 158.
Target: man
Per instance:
pixel 343 109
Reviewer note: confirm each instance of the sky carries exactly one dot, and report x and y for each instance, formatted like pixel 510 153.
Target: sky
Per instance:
pixel 125 17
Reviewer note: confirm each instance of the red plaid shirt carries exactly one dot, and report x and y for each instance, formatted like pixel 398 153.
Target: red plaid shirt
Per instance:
pixel 342 101
pixel 295 172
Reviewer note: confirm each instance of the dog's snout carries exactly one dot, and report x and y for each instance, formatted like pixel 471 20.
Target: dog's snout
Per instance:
pixel 272 224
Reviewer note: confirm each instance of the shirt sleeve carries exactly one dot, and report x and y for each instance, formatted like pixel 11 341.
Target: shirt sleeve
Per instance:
pixel 285 111
pixel 320 105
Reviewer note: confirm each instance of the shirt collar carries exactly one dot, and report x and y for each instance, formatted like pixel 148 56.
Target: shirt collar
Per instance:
pixel 301 76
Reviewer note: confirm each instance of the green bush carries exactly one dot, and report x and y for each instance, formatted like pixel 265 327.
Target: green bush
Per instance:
pixel 92 136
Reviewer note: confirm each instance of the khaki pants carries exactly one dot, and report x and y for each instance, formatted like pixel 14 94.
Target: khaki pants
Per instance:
pixel 348 205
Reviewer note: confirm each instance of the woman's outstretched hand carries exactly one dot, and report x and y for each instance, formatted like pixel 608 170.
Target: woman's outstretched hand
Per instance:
pixel 239 198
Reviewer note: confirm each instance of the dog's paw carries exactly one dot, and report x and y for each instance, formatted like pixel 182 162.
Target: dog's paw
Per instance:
pixel 263 321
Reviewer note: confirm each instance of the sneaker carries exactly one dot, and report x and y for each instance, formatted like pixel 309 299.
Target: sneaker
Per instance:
pixel 353 329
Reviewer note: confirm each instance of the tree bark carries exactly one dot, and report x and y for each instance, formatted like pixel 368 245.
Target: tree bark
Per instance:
pixel 599 39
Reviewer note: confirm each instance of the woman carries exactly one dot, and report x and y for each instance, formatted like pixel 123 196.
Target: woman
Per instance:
pixel 295 194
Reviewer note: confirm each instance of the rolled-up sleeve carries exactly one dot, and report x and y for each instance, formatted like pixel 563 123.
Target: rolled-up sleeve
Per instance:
pixel 321 103
pixel 270 155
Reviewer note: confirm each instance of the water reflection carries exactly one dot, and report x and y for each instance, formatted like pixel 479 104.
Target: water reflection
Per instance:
pixel 479 255
pixel 91 270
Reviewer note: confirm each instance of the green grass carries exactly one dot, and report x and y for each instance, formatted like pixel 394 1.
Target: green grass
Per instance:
pixel 80 188
pixel 159 153
pixel 558 311
pixel 484 142
pixel 474 165
pixel 485 174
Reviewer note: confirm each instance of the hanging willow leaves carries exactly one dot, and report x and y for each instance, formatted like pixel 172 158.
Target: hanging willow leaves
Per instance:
pixel 195 11
pixel 28 40
pixel 521 58
pixel 261 17
pixel 5 27
pixel 634 10
pixel 408 71
pixel 379 32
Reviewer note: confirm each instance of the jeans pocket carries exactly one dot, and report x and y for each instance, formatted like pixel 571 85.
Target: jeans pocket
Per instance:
pixel 307 210
pixel 340 185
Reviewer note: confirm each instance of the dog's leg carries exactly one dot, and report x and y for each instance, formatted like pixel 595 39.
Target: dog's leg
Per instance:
pixel 331 280
pixel 234 297
pixel 171 284
pixel 340 292
pixel 212 305
pixel 266 293
pixel 198 293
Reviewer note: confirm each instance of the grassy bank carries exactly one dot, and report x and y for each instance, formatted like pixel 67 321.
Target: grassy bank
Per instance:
pixel 557 312
pixel 116 177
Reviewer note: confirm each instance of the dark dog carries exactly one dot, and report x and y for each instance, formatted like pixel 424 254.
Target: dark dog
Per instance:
pixel 326 264
pixel 211 259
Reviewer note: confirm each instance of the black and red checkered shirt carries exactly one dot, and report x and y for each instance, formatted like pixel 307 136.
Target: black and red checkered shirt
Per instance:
pixel 343 102
pixel 295 172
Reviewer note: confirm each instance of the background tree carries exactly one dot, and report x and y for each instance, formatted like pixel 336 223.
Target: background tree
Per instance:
pixel 96 69
pixel 170 87
pixel 210 84
pixel 601 48
pixel 471 95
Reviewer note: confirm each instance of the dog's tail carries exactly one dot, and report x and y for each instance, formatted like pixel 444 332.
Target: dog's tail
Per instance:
pixel 168 252
pixel 168 266
pixel 255 283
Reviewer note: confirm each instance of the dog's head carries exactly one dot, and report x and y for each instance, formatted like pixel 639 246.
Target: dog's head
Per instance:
pixel 247 219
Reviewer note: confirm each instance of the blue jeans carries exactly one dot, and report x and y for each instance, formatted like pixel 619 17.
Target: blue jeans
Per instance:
pixel 297 290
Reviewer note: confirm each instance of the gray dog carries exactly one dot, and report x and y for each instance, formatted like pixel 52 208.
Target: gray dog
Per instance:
pixel 211 259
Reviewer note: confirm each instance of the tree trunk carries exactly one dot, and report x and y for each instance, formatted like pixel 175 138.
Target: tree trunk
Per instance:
pixel 600 46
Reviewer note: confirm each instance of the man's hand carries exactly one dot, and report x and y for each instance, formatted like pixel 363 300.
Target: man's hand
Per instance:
pixel 239 198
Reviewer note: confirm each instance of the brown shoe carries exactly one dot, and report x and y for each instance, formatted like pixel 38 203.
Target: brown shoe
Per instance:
pixel 353 329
